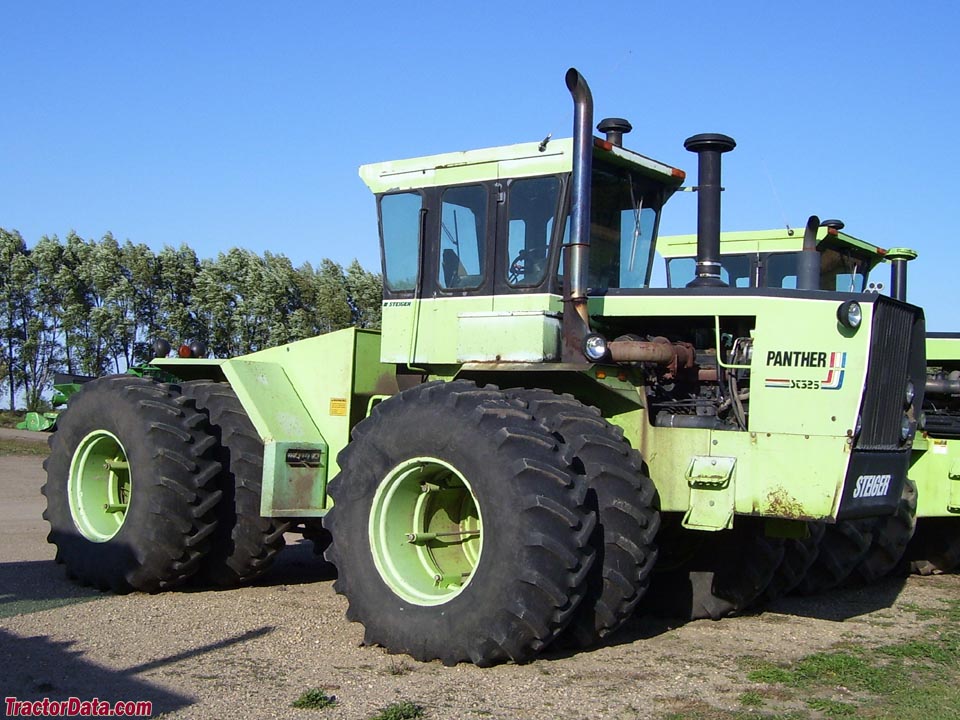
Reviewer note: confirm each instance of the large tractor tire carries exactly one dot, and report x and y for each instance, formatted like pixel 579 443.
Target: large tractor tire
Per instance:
pixel 725 573
pixel 459 532
pixel 131 485
pixel 244 545
pixel 623 498
pixel 843 546
pixel 935 547
pixel 890 537
pixel 799 554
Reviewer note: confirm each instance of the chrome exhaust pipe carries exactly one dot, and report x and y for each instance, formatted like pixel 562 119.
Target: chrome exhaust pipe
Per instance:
pixel 576 322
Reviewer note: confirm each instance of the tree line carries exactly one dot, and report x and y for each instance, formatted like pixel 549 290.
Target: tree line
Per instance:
pixel 91 307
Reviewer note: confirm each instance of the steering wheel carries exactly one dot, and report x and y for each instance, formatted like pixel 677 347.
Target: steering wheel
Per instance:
pixel 518 266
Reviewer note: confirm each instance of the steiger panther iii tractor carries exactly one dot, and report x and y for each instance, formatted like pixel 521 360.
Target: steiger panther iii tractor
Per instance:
pixel 531 434
pixel 923 535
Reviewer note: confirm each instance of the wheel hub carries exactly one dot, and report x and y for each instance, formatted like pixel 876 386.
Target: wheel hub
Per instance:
pixel 425 531
pixel 99 486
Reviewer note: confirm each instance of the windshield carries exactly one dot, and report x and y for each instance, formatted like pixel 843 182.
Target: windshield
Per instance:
pixel 840 270
pixel 623 222
pixel 735 271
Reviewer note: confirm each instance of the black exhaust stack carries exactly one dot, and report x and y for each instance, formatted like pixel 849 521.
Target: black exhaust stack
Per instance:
pixel 576 322
pixel 899 257
pixel 709 147
pixel 808 264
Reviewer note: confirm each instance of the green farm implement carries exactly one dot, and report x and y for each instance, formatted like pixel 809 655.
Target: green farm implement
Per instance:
pixel 63 387
pixel 533 439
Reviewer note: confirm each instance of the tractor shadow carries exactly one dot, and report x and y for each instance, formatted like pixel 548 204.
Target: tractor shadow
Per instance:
pixel 33 667
pixel 36 585
pixel 38 667
pixel 298 564
pixel 838 605
pixel 843 603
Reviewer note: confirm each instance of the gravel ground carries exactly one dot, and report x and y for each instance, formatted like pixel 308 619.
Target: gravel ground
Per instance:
pixel 250 652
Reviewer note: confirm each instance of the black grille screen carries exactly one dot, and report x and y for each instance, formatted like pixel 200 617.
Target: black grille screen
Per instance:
pixel 894 341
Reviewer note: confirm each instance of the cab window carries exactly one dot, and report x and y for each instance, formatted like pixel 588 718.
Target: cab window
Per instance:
pixel 842 272
pixel 781 271
pixel 623 220
pixel 400 229
pixel 532 206
pixel 463 230
pixel 839 271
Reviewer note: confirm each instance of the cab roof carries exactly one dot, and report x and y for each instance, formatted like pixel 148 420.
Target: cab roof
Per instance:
pixel 507 161
pixel 757 241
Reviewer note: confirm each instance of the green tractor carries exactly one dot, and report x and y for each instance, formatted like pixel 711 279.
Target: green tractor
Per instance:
pixel 772 259
pixel 532 434
pixel 935 468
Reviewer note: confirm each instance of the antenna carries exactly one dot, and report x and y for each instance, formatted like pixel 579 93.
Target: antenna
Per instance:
pixel 776 196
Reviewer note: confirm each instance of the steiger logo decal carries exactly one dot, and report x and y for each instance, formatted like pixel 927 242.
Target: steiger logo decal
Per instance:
pixel 835 364
pixel 869 486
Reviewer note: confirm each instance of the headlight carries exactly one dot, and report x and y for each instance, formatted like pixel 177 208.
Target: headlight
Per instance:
pixel 595 347
pixel 905 429
pixel 849 314
pixel 911 393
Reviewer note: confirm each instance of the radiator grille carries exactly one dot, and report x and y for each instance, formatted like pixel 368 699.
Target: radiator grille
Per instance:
pixel 894 328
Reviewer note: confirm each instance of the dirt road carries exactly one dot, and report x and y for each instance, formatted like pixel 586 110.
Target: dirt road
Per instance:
pixel 249 653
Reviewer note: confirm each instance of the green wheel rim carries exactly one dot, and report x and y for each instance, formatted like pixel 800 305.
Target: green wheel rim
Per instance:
pixel 425 531
pixel 99 486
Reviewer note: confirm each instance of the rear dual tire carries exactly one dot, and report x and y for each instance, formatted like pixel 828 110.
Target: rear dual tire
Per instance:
pixel 724 572
pixel 131 485
pixel 844 545
pixel 935 547
pixel 891 536
pixel 799 555
pixel 245 544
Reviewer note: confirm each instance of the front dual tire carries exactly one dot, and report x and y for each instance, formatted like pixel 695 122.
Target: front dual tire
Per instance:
pixel 459 531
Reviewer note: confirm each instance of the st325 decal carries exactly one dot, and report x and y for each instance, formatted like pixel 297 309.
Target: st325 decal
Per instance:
pixel 835 367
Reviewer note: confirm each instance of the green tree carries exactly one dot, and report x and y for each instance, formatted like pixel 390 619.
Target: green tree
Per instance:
pixel 15 278
pixel 365 295
pixel 96 306
pixel 138 296
pixel 42 353
pixel 275 298
pixel 332 303
pixel 111 295
pixel 70 281
pixel 176 316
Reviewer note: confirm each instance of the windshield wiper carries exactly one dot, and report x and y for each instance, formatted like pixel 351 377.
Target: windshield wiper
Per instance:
pixel 637 210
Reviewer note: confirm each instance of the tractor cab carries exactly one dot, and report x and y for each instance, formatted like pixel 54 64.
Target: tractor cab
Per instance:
pixel 771 259
pixel 473 240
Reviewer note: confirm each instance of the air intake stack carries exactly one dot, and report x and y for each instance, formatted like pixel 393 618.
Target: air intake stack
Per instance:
pixel 709 147
pixel 614 129
pixel 899 257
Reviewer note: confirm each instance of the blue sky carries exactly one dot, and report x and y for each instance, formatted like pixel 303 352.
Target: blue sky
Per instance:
pixel 221 124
